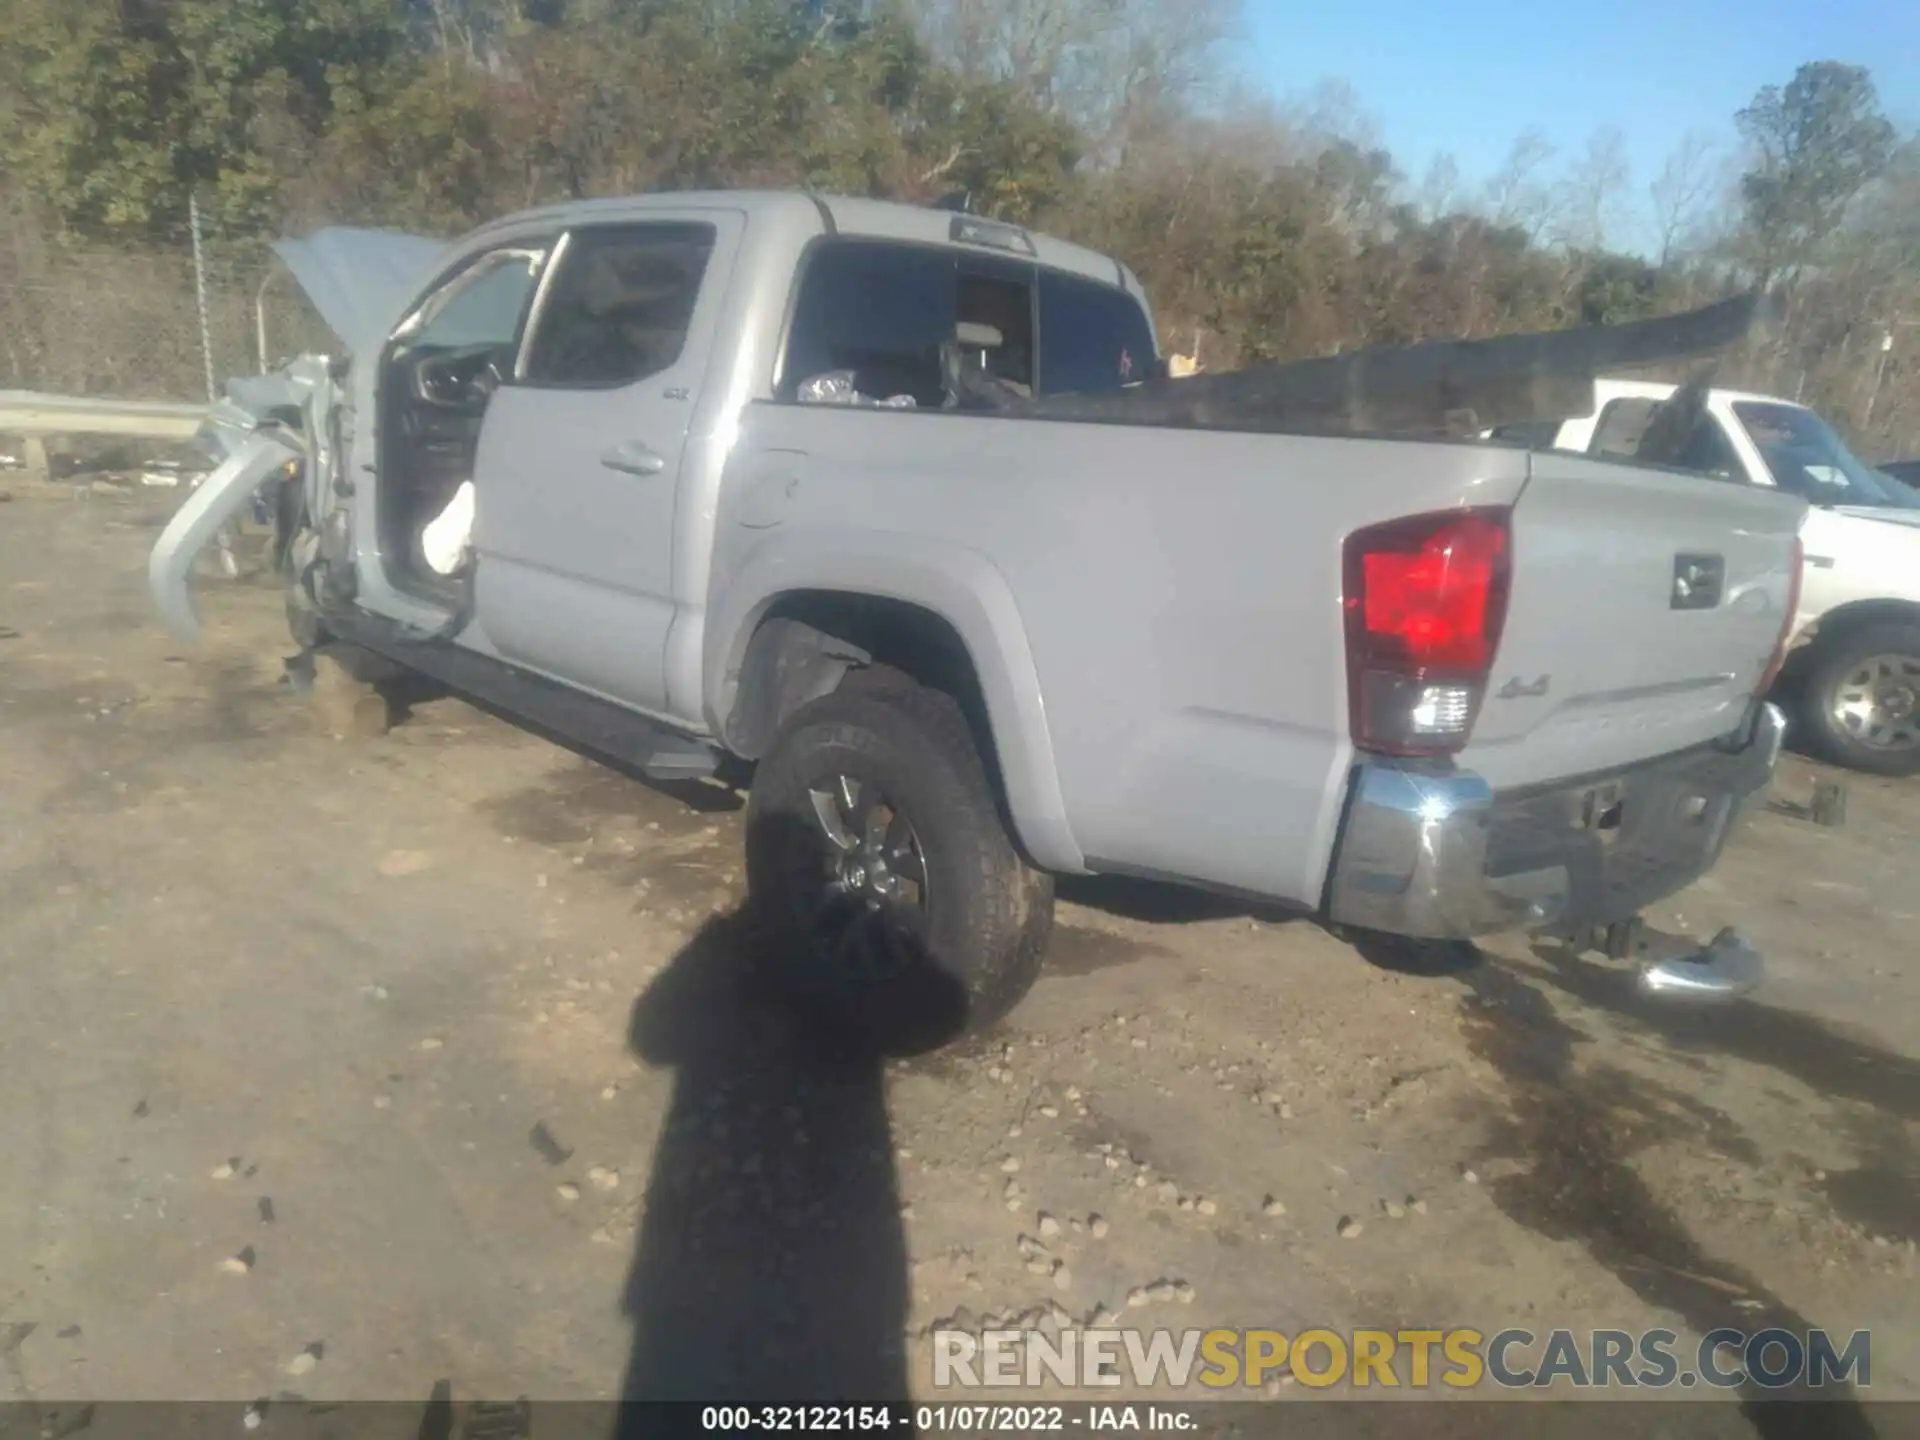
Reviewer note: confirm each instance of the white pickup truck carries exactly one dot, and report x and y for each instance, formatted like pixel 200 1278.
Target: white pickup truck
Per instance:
pixel 797 480
pixel 1852 678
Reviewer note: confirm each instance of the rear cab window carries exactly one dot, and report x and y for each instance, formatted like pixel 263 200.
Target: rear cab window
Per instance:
pixel 1093 337
pixel 1622 425
pixel 879 321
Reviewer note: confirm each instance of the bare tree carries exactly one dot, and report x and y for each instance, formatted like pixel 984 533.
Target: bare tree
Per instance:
pixel 472 29
pixel 1333 112
pixel 1517 195
pixel 1589 195
pixel 1116 68
pixel 1253 129
pixel 1683 192
pixel 1439 192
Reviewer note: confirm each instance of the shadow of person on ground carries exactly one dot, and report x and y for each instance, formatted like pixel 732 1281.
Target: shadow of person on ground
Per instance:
pixel 771 1262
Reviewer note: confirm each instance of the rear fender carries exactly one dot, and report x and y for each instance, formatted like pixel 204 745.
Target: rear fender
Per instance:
pixel 960 586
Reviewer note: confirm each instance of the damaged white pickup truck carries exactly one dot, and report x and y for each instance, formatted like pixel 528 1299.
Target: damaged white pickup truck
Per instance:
pixel 897 505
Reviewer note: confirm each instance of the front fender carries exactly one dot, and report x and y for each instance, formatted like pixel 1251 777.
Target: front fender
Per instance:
pixel 961 586
pixel 219 497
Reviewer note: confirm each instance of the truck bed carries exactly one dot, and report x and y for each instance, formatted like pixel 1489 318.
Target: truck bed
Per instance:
pixel 1180 593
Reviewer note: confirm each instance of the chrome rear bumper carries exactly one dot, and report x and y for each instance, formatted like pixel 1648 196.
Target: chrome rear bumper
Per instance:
pixel 1442 856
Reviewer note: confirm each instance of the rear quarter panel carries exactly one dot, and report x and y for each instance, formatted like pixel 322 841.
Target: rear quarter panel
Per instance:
pixel 1179 592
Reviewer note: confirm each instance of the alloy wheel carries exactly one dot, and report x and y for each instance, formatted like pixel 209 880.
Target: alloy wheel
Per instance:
pixel 871 898
pixel 1877 702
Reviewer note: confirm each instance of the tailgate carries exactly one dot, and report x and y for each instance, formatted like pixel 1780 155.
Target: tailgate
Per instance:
pixel 1645 608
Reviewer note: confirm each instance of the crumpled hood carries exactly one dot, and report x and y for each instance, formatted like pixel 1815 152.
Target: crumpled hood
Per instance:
pixel 360 280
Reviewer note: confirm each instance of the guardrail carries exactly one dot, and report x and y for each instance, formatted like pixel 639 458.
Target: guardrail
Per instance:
pixel 36 417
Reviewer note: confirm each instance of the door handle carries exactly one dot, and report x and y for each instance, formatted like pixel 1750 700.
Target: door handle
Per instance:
pixel 633 458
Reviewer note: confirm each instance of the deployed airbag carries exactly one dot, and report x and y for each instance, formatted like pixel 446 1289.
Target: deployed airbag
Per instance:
pixel 448 538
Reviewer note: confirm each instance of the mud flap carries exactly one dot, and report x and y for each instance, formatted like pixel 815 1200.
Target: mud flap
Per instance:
pixel 220 497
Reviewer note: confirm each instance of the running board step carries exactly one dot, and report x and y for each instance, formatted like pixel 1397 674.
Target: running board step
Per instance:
pixel 677 757
pixel 540 704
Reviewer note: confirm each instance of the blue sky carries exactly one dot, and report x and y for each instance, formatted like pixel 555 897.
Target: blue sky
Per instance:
pixel 1467 76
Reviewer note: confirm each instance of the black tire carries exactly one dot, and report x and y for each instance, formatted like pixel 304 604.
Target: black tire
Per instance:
pixel 943 956
pixel 303 617
pixel 294 544
pixel 1890 747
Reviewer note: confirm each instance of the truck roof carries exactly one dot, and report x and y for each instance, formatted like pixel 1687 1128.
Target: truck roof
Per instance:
pixel 1607 388
pixel 833 214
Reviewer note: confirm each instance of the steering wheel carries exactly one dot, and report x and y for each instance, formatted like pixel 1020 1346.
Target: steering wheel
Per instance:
pixel 461 380
pixel 488 380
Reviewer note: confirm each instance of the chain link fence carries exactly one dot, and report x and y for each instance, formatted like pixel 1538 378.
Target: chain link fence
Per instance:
pixel 125 323
pixel 131 323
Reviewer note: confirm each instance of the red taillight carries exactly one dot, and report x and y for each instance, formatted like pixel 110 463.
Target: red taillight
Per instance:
pixel 1772 672
pixel 1425 600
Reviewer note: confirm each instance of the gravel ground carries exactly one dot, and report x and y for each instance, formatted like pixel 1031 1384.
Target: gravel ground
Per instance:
pixel 343 1067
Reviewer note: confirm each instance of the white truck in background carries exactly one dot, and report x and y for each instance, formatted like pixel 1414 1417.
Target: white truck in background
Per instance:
pixel 1852 678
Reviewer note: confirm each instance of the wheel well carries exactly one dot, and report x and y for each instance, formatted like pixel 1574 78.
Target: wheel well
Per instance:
pixel 1840 622
pixel 811 643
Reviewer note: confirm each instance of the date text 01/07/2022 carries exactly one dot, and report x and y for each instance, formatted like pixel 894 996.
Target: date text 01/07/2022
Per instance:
pixel 937 1419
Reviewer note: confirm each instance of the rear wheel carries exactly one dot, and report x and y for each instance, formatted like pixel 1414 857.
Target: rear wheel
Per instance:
pixel 1861 700
pixel 902 916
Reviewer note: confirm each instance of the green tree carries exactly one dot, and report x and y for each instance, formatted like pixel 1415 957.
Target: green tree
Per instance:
pixel 1818 142
pixel 117 108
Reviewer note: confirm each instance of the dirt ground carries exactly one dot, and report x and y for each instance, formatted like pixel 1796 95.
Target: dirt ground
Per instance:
pixel 343 1067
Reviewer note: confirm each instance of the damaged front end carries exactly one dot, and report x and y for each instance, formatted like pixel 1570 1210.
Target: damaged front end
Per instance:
pixel 294 427
pixel 291 425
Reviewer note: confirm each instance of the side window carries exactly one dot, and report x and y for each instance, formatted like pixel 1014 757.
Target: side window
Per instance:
pixel 1092 336
pixel 879 310
pixel 620 305
pixel 481 305
pixel 1620 427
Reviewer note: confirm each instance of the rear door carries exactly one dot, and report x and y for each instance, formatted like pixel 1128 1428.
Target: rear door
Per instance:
pixel 1646 606
pixel 577 477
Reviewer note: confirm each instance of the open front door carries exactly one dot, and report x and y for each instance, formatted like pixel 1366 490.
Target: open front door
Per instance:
pixel 579 462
